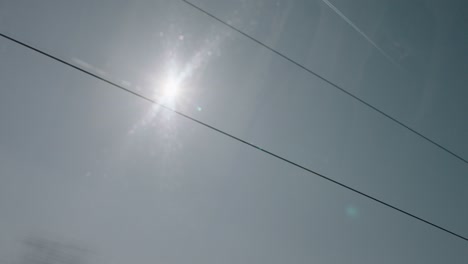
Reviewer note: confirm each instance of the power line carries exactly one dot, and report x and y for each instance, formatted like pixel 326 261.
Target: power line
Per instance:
pixel 230 136
pixel 327 81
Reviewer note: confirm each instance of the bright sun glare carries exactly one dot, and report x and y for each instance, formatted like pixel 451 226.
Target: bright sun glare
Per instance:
pixel 171 89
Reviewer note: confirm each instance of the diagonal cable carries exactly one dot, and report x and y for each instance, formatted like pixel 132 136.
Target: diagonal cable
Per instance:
pixel 327 81
pixel 232 136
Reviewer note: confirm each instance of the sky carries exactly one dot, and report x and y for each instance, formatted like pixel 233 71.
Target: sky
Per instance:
pixel 84 164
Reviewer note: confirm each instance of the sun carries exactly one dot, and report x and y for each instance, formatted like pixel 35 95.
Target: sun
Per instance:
pixel 171 88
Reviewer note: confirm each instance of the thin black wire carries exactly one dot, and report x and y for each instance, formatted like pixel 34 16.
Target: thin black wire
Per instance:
pixel 229 135
pixel 326 80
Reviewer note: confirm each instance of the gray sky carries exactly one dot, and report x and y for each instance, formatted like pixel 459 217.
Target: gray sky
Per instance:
pixel 84 163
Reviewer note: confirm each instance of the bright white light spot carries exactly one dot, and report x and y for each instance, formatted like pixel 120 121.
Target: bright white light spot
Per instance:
pixel 171 89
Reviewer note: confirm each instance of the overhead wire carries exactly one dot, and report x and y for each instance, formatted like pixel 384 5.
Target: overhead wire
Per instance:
pixel 230 135
pixel 282 55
